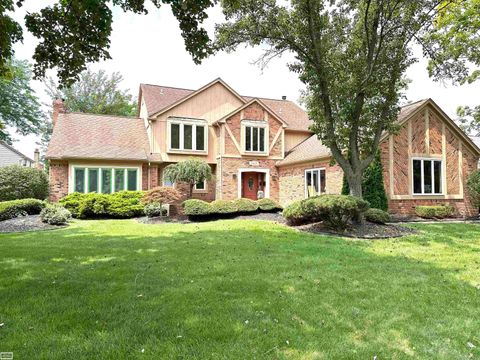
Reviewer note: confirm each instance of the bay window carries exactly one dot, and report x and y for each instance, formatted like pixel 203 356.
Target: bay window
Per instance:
pixel 427 177
pixel 187 134
pixel 314 182
pixel 105 180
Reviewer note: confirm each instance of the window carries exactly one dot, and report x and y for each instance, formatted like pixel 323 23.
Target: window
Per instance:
pixel 201 185
pixel 105 180
pixel 166 182
pixel 314 182
pixel 189 135
pixel 255 138
pixel 427 177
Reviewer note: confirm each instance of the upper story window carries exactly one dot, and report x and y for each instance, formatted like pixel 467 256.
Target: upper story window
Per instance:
pixel 255 136
pixel 427 177
pixel 314 182
pixel 187 134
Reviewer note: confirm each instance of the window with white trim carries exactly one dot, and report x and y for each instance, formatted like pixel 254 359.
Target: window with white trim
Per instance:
pixel 314 182
pixel 201 186
pixel 187 134
pixel 104 180
pixel 255 138
pixel 427 177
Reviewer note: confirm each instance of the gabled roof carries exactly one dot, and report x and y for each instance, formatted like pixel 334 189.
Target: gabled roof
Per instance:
pixel 12 149
pixel 253 101
pixel 88 136
pixel 308 150
pixel 162 98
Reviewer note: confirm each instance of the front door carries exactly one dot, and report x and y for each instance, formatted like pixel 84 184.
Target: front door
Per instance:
pixel 250 185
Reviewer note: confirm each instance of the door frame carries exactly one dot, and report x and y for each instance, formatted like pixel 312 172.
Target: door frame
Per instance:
pixel 256 170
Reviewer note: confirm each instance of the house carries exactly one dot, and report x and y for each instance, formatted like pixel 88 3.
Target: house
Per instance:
pixel 11 156
pixel 255 146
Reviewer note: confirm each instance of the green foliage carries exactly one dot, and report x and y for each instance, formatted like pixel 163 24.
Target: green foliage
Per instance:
pixel 20 182
pixel 77 32
pixel 14 208
pixel 246 206
pixel 19 106
pixel 190 171
pixel 223 207
pixel 473 186
pixel 377 216
pixel 55 214
pixel 434 211
pixel 373 187
pixel 154 209
pixel 194 207
pixel 268 205
pixel 123 204
pixel 336 211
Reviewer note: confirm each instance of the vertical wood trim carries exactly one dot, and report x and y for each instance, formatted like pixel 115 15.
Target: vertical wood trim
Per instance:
pixel 283 143
pixel 390 163
pixel 427 131
pixel 444 158
pixel 222 139
pixel 460 167
pixel 410 165
pixel 242 115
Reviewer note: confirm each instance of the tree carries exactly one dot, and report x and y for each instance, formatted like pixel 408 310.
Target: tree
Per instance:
pixel 351 55
pixel 457 53
pixel 76 32
pixel 190 171
pixel 19 106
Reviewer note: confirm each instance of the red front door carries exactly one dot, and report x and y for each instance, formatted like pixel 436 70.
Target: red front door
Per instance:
pixel 250 185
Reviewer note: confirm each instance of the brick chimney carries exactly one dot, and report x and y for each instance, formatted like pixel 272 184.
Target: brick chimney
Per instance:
pixel 36 159
pixel 58 107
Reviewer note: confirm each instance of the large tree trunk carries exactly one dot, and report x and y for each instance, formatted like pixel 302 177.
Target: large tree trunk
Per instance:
pixel 355 184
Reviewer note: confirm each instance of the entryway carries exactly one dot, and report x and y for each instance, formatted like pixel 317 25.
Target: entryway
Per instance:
pixel 253 184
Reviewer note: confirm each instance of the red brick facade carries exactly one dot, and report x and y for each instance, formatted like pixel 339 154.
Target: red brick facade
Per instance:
pixel 58 180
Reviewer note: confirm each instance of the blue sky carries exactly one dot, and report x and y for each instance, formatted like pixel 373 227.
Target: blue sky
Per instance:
pixel 150 49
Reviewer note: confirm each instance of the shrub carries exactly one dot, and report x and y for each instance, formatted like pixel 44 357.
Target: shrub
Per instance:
pixel 246 205
pixel 194 207
pixel 161 195
pixel 336 211
pixel 55 214
pixel 434 212
pixel 473 186
pixel 14 208
pixel 72 201
pixel 155 209
pixel 19 182
pixel 223 207
pixel 268 205
pixel 93 205
pixel 125 204
pixel 377 216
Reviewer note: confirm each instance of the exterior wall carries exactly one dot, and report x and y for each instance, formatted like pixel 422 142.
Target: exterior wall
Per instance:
pixel 293 138
pixel 292 180
pixel 9 157
pixel 58 180
pixel 427 135
pixel 210 105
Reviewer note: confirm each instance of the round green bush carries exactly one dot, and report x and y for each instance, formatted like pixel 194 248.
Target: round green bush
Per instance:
pixel 223 207
pixel 14 208
pixel 473 186
pixel 93 205
pixel 246 205
pixel 268 205
pixel 19 182
pixel 377 216
pixel 154 209
pixel 72 201
pixel 295 214
pixel 194 207
pixel 126 204
pixel 435 211
pixel 55 214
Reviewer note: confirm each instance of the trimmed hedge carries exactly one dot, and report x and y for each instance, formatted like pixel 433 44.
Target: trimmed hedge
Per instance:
pixel 14 208
pixel 268 205
pixel 246 206
pixel 336 211
pixel 223 207
pixel 377 216
pixel 19 182
pixel 435 212
pixel 55 214
pixel 194 207
pixel 122 204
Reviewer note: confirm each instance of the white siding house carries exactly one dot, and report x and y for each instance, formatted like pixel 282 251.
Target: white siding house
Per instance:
pixel 11 156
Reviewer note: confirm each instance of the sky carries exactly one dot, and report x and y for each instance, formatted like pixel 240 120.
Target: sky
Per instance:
pixel 149 49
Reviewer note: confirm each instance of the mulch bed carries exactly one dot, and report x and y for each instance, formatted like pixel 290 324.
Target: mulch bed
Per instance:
pixel 365 231
pixel 275 217
pixel 25 223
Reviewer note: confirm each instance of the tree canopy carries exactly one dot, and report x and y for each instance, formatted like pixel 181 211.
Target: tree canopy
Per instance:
pixel 351 55
pixel 76 32
pixel 191 171
pixel 19 105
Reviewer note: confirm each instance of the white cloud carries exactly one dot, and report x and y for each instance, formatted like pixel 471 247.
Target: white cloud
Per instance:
pixel 150 49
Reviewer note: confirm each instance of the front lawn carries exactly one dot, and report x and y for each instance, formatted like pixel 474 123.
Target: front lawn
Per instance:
pixel 238 290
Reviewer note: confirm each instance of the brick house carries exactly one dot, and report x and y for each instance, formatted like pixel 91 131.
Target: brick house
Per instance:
pixel 254 146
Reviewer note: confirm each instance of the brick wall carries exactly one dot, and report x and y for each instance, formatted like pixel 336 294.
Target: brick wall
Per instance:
pixel 58 180
pixel 150 177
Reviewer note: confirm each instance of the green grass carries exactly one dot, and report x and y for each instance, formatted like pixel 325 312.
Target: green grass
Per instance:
pixel 238 290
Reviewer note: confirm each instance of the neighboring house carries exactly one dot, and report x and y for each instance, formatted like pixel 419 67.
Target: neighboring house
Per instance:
pixel 255 146
pixel 11 156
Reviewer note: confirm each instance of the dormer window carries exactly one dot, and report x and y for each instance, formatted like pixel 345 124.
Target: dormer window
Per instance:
pixel 187 134
pixel 254 136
